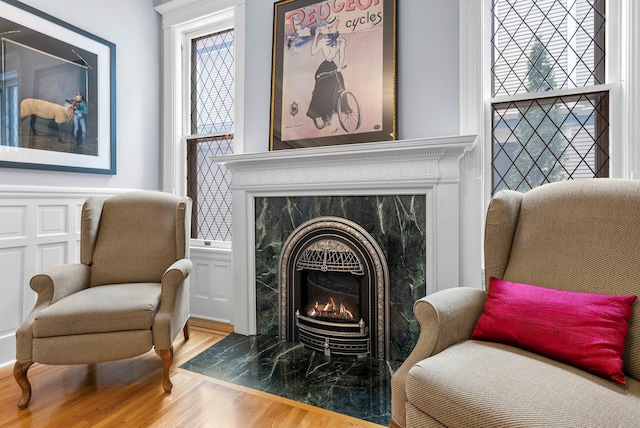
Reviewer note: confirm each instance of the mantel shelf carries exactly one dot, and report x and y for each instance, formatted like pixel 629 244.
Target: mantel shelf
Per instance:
pixel 356 167
pixel 432 148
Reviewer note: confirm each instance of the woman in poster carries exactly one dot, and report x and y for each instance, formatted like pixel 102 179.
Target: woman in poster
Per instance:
pixel 337 105
pixel 328 76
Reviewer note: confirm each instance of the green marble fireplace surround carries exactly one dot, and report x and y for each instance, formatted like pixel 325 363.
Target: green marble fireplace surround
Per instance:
pixel 396 222
pixel 404 193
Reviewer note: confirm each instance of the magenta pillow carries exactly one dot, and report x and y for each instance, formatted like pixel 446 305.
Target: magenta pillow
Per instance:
pixel 585 330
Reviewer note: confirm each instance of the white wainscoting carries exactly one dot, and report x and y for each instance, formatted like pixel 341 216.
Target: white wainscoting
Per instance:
pixel 40 229
pixel 211 283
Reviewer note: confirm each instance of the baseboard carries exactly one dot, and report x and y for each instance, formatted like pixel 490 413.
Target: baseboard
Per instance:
pixel 210 326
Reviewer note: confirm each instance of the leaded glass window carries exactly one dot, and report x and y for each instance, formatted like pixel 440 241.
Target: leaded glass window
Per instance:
pixel 212 127
pixel 550 116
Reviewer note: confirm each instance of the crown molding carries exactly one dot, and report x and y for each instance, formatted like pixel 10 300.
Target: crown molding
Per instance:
pixel 181 12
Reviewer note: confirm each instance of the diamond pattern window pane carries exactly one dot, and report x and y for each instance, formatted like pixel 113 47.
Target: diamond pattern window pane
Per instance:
pixel 209 186
pixel 571 33
pixel 550 139
pixel 212 80
pixel 212 112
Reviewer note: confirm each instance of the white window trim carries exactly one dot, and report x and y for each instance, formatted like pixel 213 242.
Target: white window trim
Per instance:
pixel 623 70
pixel 630 75
pixel 180 19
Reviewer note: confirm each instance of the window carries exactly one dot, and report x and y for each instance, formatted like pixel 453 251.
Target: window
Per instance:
pixel 203 109
pixel 212 115
pixel 549 95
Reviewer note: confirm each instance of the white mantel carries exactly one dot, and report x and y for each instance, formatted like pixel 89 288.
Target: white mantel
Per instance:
pixel 429 166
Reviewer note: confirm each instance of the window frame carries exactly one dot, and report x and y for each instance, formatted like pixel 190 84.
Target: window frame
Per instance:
pixel 184 20
pixel 611 79
pixel 622 67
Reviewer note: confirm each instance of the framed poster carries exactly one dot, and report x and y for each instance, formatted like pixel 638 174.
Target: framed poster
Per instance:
pixel 333 73
pixel 57 99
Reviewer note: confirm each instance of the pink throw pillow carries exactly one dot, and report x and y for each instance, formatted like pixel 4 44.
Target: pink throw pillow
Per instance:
pixel 584 330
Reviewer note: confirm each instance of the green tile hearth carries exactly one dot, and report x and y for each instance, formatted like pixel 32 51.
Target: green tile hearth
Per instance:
pixel 357 387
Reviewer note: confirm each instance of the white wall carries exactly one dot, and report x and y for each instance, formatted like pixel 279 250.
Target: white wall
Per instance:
pixel 134 27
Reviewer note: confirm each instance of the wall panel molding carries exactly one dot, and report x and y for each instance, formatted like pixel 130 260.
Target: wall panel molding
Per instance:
pixel 211 282
pixel 39 229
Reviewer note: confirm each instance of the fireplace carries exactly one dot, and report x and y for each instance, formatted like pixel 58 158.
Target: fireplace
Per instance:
pixel 405 193
pixel 334 289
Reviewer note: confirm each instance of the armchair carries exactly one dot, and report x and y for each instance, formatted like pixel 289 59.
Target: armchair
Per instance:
pixel 127 295
pixel 575 236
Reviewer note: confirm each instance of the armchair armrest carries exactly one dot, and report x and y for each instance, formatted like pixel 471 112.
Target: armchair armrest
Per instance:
pixel 172 280
pixel 180 269
pixel 174 308
pixel 60 282
pixel 446 318
pixel 51 286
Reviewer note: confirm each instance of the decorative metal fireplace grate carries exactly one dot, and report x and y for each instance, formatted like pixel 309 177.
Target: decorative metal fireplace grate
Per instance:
pixel 330 255
pixel 330 324
pixel 333 289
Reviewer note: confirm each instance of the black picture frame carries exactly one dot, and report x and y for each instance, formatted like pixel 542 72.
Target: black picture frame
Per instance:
pixel 47 67
pixel 333 73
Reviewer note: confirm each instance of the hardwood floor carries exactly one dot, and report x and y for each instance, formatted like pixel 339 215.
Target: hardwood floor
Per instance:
pixel 129 393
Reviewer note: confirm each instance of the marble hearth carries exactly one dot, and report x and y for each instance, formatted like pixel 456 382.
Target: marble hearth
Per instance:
pixel 404 193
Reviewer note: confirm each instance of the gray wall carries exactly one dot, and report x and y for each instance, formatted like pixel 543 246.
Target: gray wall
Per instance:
pixel 134 27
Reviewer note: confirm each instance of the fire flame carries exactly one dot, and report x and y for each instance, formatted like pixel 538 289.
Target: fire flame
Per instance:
pixel 330 310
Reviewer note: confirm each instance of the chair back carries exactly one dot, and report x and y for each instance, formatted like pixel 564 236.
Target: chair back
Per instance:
pixel 578 235
pixel 134 237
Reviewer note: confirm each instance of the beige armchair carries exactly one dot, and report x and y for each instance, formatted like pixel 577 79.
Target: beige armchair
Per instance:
pixel 127 294
pixel 579 236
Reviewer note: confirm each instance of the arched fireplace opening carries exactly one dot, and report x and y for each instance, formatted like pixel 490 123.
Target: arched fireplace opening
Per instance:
pixel 334 283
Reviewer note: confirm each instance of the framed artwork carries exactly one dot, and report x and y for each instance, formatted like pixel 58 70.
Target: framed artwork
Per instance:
pixel 57 99
pixel 333 73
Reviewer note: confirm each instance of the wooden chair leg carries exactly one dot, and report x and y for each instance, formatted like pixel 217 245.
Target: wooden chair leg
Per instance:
pixel 167 360
pixel 393 424
pixel 20 374
pixel 185 330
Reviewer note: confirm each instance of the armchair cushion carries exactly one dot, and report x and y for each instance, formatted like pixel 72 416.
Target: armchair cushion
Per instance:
pixel 108 308
pixel 585 330
pixel 137 239
pixel 484 384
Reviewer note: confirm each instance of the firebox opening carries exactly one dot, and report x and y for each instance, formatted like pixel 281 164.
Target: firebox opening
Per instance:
pixel 335 263
pixel 331 296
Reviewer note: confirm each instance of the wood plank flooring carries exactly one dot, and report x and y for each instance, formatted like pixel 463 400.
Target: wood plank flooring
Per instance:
pixel 128 393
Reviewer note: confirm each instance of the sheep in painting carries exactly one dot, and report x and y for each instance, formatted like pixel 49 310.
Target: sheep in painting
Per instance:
pixel 46 110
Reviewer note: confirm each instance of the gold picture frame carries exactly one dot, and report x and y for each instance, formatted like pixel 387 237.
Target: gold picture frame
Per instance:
pixel 333 73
